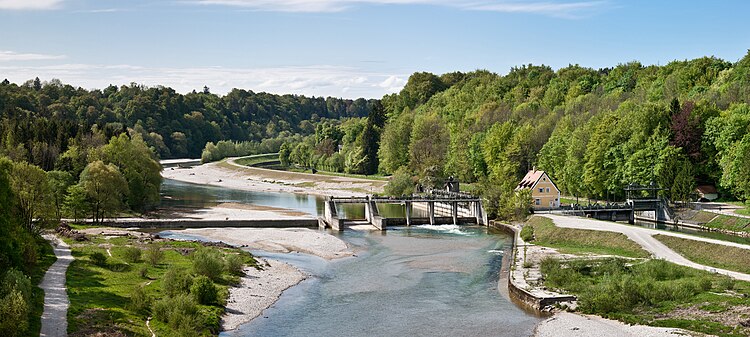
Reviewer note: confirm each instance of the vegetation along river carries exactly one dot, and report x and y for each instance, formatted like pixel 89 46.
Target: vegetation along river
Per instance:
pixel 415 281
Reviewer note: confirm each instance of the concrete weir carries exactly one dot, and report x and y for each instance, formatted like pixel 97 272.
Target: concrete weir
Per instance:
pixel 443 204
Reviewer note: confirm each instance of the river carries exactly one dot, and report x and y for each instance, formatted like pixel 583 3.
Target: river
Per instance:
pixel 407 281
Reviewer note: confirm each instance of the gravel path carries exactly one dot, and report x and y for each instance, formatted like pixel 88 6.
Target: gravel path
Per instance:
pixel 644 237
pixel 54 318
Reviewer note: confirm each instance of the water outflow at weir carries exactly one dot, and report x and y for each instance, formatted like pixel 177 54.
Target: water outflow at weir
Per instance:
pixel 418 281
pixel 431 280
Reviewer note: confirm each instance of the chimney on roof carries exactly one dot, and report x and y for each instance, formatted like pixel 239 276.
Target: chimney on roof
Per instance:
pixel 533 168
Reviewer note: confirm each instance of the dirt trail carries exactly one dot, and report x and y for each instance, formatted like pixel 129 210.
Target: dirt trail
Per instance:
pixel 54 318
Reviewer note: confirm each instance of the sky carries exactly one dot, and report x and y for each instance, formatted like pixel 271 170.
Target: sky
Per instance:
pixel 347 48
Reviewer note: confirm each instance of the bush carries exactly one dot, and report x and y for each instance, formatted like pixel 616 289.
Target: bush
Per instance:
pixel 140 301
pixel 99 259
pixel 204 291
pixel 401 183
pixel 726 283
pixel 176 281
pixel 131 254
pixel 154 255
pixel 180 313
pixel 208 262
pixel 16 280
pixel 14 310
pixel 234 264
pixel 527 233
pixel 143 272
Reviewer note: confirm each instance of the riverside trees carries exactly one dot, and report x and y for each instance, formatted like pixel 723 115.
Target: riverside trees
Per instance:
pixel 593 130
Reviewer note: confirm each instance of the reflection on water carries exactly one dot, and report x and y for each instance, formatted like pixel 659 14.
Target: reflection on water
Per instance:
pixel 181 195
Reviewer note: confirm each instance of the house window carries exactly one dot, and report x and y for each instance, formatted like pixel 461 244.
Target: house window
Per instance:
pixel 541 190
pixel 547 189
pixel 538 202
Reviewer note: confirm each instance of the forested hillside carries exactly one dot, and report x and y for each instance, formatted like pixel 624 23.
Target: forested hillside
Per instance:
pixel 593 130
pixel 40 121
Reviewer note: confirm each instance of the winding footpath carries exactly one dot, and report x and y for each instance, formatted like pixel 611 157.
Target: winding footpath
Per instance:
pixel 645 237
pixel 54 318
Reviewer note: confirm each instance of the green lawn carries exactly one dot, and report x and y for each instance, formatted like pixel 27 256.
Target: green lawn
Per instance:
pixel 710 254
pixel 258 159
pixel 654 292
pixel 731 223
pixel 580 241
pixel 100 296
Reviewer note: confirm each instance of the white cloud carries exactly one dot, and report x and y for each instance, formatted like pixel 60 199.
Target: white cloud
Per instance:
pixel 7 55
pixel 320 80
pixel 551 8
pixel 392 84
pixel 29 4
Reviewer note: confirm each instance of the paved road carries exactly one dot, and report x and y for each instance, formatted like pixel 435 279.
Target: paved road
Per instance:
pixel 54 318
pixel 644 237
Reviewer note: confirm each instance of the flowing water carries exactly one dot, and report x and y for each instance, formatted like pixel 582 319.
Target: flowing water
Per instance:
pixel 407 281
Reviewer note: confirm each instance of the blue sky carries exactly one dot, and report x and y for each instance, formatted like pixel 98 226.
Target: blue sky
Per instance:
pixel 347 48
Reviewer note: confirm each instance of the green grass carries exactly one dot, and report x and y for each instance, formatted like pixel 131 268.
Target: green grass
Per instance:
pixel 581 201
pixel 336 174
pixel 100 296
pixel 654 292
pixel 46 259
pixel 743 211
pixel 581 241
pixel 731 223
pixel 703 217
pixel 710 254
pixel 258 159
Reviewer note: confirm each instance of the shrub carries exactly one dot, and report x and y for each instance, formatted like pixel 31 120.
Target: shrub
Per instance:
pixel 204 291
pixel 98 258
pixel 527 233
pixel 14 310
pixel 131 254
pixel 140 301
pixel 705 284
pixel 16 280
pixel 154 255
pixel 208 262
pixel 234 264
pixel 176 281
pixel 180 313
pixel 143 272
pixel 726 283
pixel 401 183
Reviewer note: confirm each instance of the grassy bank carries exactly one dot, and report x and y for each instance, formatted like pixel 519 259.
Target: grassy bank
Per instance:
pixel 258 159
pixel 115 295
pixel 579 241
pixel 731 223
pixel 710 254
pixel 655 293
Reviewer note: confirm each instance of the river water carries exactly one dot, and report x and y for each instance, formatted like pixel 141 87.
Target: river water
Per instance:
pixel 407 281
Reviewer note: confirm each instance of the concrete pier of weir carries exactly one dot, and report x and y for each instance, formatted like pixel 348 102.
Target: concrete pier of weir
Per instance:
pixel 437 207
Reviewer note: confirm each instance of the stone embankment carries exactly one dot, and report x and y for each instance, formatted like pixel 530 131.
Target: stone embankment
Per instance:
pixel 524 279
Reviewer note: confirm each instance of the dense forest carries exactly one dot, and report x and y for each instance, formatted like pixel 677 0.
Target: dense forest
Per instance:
pixel 40 121
pixel 593 130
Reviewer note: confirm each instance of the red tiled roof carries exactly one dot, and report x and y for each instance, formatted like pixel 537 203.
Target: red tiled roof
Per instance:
pixel 530 179
pixel 706 189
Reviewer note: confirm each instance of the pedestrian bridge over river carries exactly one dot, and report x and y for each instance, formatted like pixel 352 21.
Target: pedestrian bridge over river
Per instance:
pixel 442 208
